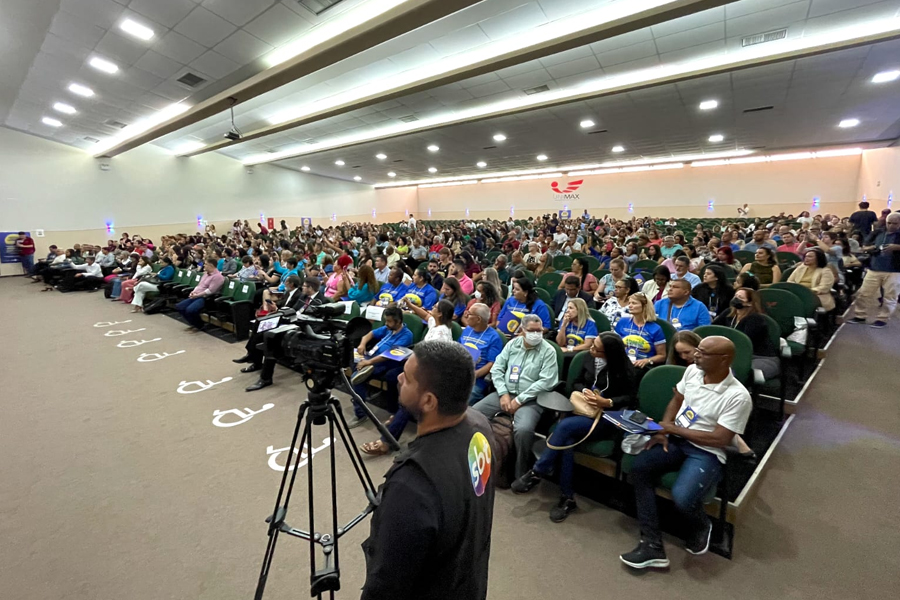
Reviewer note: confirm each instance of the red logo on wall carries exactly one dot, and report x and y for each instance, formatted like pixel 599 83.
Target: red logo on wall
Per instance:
pixel 570 187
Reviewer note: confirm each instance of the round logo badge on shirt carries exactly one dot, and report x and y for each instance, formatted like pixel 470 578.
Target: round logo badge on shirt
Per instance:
pixel 479 462
pixel 413 299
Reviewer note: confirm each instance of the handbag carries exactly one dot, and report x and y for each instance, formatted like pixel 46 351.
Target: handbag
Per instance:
pixel 582 408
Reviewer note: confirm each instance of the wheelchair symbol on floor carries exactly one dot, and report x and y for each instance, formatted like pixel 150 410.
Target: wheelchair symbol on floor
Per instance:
pixel 274 454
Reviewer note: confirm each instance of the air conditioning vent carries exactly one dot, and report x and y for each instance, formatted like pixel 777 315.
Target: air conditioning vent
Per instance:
pixel 356 167
pixel 758 109
pixel 762 38
pixel 317 7
pixel 116 124
pixel 537 90
pixel 92 140
pixel 489 148
pixel 598 131
pixel 409 118
pixel 398 160
pixel 190 79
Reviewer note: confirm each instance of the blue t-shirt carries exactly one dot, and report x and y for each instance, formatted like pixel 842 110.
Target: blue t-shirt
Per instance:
pixel 391 293
pixel 689 277
pixel 575 335
pixel 425 296
pixel 689 317
pixel 640 342
pixel 220 264
pixel 670 252
pixel 488 343
pixel 512 312
pixel 388 339
pixel 458 309
pixel 167 273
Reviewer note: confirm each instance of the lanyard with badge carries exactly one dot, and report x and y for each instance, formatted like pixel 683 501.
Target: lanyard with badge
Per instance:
pixel 383 341
pixel 676 322
pixel 713 305
pixel 632 351
pixel 515 374
pixel 687 417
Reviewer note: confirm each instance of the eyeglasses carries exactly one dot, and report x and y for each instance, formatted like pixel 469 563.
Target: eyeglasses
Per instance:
pixel 705 353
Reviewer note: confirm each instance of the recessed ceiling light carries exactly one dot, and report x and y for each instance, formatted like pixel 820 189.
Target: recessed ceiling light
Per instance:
pixel 718 137
pixel 392 174
pixel 103 65
pixel 136 29
pixel 432 170
pixel 885 76
pixel 64 108
pixel 499 137
pixel 304 168
pixel 357 178
pixel 481 164
pixel 381 156
pixel 587 123
pixel 51 122
pixel 848 123
pixel 709 104
pixel 339 163
pixel 542 157
pixel 77 88
pixel 618 148
pixel 433 148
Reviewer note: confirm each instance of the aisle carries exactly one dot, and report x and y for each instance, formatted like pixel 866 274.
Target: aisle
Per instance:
pixel 114 485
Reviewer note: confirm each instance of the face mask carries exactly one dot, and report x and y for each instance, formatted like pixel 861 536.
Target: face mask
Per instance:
pixel 737 303
pixel 477 295
pixel 533 338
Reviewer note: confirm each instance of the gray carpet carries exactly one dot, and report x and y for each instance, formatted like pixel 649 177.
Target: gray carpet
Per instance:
pixel 116 486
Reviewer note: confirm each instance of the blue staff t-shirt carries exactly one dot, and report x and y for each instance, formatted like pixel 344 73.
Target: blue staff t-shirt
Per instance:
pixel 512 312
pixel 575 335
pixel 640 342
pixel 388 339
pixel 391 293
pixel 458 308
pixel 488 343
pixel 690 316
pixel 425 296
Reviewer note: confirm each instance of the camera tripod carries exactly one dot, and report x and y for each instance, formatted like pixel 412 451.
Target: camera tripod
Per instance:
pixel 319 408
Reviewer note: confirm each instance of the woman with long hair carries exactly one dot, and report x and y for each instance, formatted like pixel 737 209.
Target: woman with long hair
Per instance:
pixel 657 287
pixel 652 253
pixel 813 273
pixel 452 291
pixel 487 294
pixel 644 338
pixel 523 300
pixel 747 316
pixel 714 291
pixel 577 329
pixel 365 288
pixel 606 381
pixel 607 283
pixel 616 306
pixel 581 270
pixel 684 343
pixel 491 276
pixel 764 267
pixel 725 257
pixel 421 292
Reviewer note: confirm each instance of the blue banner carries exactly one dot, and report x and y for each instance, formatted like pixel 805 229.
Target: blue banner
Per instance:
pixel 9 253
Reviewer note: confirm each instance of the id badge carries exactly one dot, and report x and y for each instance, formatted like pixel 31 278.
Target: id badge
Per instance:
pixel 712 314
pixel 514 373
pixel 676 324
pixel 687 416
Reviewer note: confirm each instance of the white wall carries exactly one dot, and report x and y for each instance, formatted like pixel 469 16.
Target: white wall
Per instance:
pixel 769 188
pixel 879 175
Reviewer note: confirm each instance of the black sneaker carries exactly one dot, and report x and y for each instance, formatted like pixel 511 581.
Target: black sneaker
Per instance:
pixel 879 324
pixel 646 555
pixel 857 321
pixel 699 543
pixel 562 509
pixel 525 483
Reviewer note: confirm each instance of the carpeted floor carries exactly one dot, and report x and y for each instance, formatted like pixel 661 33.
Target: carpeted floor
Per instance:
pixel 114 485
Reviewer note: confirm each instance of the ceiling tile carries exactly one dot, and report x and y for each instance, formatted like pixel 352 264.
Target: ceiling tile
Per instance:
pixel 689 22
pixel 415 57
pixel 159 65
pixel 177 47
pixel 825 7
pixel 693 52
pixel 103 13
pixel 528 80
pixel 767 20
pixel 622 41
pixel 574 67
pixel 74 29
pixel 242 48
pixel 478 80
pixel 164 12
pixel 567 56
pixel 278 25
pixel 627 54
pixel 58 46
pixel 460 41
pixel 488 89
pixel 239 12
pixel 171 90
pixel 141 78
pixel 124 51
pixel 519 19
pixel 215 65
pixel 204 27
pixel 691 37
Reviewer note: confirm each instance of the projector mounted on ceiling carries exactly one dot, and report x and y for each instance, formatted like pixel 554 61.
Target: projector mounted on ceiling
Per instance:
pixel 235 133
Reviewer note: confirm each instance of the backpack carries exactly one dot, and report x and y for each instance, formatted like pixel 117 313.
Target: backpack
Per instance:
pixel 502 426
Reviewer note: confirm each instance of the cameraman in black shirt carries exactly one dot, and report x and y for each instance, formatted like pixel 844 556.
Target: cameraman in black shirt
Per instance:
pixel 431 533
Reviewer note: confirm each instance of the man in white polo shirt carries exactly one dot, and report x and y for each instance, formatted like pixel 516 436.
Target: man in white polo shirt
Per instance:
pixel 708 408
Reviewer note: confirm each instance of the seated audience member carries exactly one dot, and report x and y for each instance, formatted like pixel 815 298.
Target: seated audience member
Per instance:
pixel 577 330
pixel 167 273
pixel 764 267
pixel 684 344
pixel 616 306
pixel 715 292
pixel 337 285
pixel 789 243
pixel 249 271
pixel 725 257
pixel 393 334
pixel 382 270
pixel 813 273
pixel 437 279
pixel 229 264
pixel 523 300
pixel 364 289
pixel 394 290
pixel 747 280
pixel 457 270
pixel 644 339
pixel 52 253
pixel 452 291
pixel 482 341
pixel 297 297
pixel 291 266
pixel 90 277
pixel 683 271
pixel 144 270
pixel 608 282
pixel 210 285
pixel 438 330
pixel 680 309
pixel 883 274
pixel 534 256
pixel 709 407
pixel 657 287
pixel 570 289
pixel 747 316
pixel 605 382
pixel 487 294
pixel 48 271
pixel 587 283
pixel 759 241
pixel 525 369
pixel 107 260
pixel 421 292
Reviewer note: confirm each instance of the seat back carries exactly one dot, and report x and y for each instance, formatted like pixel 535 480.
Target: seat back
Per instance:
pixel 562 263
pixel 786 273
pixel 655 391
pixel 743 349
pixel 243 292
pixel 157 267
pixel 560 359
pixel 229 288
pixel 645 265
pixel 524 273
pixel 544 295
pixel 181 277
pixel 415 325
pixel 575 368
pixel 782 306
pixel 550 282
pixel 786 259
pixel 593 263
pixel 774 331
pixel 354 312
pixel 600 319
pixel 809 298
pixel 195 278
pixel 669 331
pixel 745 256
pixel 456 330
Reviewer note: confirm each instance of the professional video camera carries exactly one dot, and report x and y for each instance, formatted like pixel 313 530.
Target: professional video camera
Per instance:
pixel 320 341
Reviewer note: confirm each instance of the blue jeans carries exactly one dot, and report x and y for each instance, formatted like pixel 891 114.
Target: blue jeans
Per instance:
pixel 568 431
pixel 698 470
pixel 190 309
pixel 387 371
pixel 27 263
pixel 478 391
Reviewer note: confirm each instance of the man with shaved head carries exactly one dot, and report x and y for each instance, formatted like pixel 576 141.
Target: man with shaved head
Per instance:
pixel 883 276
pixel 708 408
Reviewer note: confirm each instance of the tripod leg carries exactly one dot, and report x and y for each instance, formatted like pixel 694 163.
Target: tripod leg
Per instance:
pixel 355 456
pixel 278 513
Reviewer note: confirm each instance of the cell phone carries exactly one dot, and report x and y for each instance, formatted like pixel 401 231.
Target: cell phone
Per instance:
pixel 635 416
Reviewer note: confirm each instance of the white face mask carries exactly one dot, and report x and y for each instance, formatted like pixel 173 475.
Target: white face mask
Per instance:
pixel 533 338
pixel 477 295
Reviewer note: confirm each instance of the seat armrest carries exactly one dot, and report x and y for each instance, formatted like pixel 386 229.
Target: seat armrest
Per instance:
pixel 758 377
